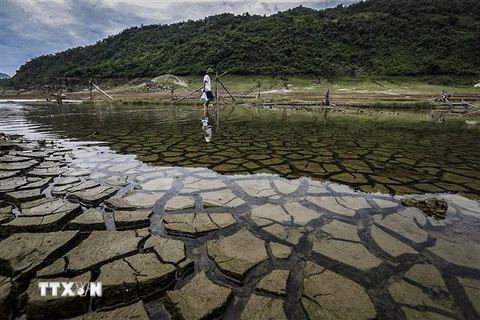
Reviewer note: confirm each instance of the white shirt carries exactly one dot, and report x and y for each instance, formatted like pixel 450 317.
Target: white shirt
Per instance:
pixel 206 81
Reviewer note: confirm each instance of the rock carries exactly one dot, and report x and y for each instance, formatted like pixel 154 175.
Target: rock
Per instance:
pixel 15 166
pixel 159 184
pixel 10 184
pixel 49 215
pixel 135 200
pixel 404 224
pixel 286 186
pixel 23 252
pixel 290 234
pixel 92 219
pixel 66 181
pixel 48 223
pixel 117 181
pixel 316 187
pixel 55 269
pixel 225 198
pixel 194 185
pixel 430 206
pixel 102 247
pixel 93 196
pixel 179 203
pixel 345 205
pixel 412 296
pixel 200 298
pixel 82 186
pixel 46 172
pixel 300 215
pixel 350 253
pixel 52 206
pixel 412 314
pixel 13 158
pixel 123 167
pixel 6 214
pixel 6 302
pixel 275 282
pixel 131 219
pixel 260 307
pixel 280 251
pixel 457 253
pixel 34 182
pixel 35 203
pixel 257 188
pixel 237 253
pixel 429 277
pixel 341 230
pixel 134 311
pixel 350 178
pixel 18 197
pixel 35 154
pixel 77 173
pixel 51 307
pixel 472 289
pixel 197 223
pixel 8 174
pixel 386 204
pixel 139 275
pixel 269 213
pixel 331 296
pixel 169 250
pixel 389 244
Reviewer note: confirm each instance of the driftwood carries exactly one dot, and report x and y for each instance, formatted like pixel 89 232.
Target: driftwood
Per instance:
pixel 447 108
pixel 445 102
pixel 249 91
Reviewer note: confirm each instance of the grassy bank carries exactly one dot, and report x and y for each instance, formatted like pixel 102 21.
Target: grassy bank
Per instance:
pixel 361 91
pixel 430 84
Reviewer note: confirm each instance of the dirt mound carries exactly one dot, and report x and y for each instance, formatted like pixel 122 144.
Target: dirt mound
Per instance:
pixel 170 79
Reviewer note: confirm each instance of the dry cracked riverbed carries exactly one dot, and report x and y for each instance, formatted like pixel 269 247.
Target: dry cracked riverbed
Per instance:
pixel 172 242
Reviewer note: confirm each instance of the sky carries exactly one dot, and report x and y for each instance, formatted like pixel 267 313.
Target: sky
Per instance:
pixel 31 28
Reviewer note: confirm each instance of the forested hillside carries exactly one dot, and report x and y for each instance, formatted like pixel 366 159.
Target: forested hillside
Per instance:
pixel 374 37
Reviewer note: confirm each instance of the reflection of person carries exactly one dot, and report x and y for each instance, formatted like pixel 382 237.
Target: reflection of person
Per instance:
pixel 207 88
pixel 206 126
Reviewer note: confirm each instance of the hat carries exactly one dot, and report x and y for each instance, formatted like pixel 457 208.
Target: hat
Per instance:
pixel 209 70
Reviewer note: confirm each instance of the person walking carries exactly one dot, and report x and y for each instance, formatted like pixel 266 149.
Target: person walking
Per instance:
pixel 207 88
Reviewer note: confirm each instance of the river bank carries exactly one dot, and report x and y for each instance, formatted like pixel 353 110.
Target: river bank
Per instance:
pixel 296 91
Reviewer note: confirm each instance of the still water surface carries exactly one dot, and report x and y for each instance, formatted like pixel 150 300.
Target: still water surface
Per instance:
pixel 382 151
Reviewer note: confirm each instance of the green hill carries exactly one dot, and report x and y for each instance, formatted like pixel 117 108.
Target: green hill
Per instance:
pixel 373 37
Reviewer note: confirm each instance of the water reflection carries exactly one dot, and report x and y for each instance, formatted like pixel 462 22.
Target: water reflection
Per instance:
pixel 388 152
pixel 206 125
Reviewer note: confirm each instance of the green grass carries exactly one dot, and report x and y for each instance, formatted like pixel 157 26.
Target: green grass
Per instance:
pixel 429 84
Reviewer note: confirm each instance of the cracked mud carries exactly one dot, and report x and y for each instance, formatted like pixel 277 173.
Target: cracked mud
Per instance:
pixel 190 243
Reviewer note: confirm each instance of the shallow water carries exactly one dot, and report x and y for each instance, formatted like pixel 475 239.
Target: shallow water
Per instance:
pixel 382 151
pixel 329 250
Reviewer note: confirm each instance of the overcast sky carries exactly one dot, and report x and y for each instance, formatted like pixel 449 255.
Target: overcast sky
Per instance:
pixel 31 28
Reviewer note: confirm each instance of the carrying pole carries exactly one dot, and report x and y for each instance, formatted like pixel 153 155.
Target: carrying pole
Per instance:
pixel 188 95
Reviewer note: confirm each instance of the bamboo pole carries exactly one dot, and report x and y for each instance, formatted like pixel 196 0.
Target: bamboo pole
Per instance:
pixel 103 92
pixel 226 90
pixel 217 98
pixel 188 95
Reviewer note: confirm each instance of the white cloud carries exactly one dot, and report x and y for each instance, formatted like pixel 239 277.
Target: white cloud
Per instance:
pixel 30 28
